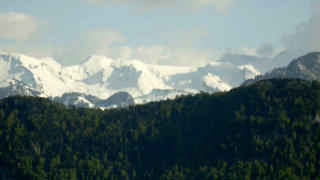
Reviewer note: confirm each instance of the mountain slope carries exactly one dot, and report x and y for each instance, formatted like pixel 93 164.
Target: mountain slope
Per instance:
pixel 13 87
pixel 266 130
pixel 263 65
pixel 102 77
pixel 306 67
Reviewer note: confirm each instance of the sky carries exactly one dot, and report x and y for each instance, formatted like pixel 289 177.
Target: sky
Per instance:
pixel 171 32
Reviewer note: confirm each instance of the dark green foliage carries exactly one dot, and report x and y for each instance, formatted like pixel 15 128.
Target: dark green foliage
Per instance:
pixel 269 129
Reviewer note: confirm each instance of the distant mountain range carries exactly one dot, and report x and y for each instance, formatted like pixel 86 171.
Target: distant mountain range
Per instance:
pixel 306 67
pixel 92 82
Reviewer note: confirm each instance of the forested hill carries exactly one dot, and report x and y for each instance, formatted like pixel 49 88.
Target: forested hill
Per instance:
pixel 270 128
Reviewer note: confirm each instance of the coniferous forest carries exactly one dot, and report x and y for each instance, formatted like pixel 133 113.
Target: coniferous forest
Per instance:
pixel 268 129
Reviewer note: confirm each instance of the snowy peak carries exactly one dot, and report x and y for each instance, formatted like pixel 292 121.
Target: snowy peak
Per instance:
pixel 96 64
pixel 102 77
pixel 14 66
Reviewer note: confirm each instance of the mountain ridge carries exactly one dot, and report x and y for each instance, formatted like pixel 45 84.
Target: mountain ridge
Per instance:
pixel 305 67
pixel 102 77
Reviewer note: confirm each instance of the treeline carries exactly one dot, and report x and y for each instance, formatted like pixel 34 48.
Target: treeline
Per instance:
pixel 268 129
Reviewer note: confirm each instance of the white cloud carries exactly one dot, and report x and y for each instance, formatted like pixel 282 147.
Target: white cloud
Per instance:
pixel 18 26
pixel 306 37
pixel 126 52
pixel 265 50
pixel 103 37
pixel 181 48
pixel 185 38
pixel 261 50
pixel 167 55
pixel 32 48
pixel 22 33
pixel 222 5
pixel 98 42
pixel 178 48
pixel 240 50
pixel 97 2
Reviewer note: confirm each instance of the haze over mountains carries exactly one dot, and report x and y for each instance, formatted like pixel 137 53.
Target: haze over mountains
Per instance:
pixel 101 77
pixel 306 67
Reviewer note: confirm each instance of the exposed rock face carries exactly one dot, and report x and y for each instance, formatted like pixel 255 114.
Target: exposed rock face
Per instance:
pixel 306 67
pixel 120 99
pixel 14 87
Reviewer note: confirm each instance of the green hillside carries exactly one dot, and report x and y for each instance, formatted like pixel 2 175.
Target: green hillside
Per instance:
pixel 268 129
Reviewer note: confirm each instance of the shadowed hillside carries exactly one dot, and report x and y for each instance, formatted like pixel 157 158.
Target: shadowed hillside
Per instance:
pixel 268 129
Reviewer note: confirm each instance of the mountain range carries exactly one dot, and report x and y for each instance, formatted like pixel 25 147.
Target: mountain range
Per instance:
pixel 97 78
pixel 306 67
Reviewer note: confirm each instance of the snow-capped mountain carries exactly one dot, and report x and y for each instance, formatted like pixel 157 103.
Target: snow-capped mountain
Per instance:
pixel 13 87
pixel 102 77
